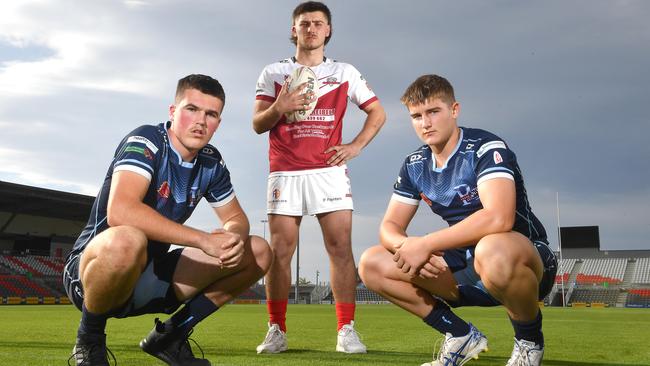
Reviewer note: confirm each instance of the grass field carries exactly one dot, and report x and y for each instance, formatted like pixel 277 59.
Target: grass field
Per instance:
pixel 44 335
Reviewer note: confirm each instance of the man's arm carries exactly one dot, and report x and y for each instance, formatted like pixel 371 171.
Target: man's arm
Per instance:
pixel 267 114
pixel 126 207
pixel 498 197
pixel 392 231
pixel 374 121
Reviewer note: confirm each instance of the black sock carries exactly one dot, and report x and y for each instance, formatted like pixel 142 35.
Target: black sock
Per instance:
pixel 91 325
pixel 444 320
pixel 197 309
pixel 530 331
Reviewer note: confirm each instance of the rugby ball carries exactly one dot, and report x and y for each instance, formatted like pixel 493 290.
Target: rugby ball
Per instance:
pixel 301 75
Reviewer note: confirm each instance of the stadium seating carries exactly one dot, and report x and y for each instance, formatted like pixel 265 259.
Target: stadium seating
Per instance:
pixel 600 295
pixel 642 273
pixel 602 270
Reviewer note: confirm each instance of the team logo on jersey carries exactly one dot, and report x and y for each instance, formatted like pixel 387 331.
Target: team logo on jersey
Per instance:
pixel 426 199
pixel 497 158
pixel 466 193
pixel 415 157
pixel 330 80
pixel 163 190
pixel 207 150
pixel 276 194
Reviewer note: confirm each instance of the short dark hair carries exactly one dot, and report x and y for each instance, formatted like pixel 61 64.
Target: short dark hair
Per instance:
pixel 427 87
pixel 308 7
pixel 203 83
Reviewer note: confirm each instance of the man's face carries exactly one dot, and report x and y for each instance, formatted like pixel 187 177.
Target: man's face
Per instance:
pixel 195 117
pixel 311 29
pixel 434 121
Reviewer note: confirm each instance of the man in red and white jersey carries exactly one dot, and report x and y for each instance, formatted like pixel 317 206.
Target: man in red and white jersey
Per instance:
pixel 308 175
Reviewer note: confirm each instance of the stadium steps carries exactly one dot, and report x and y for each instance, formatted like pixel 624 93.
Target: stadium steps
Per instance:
pixel 630 270
pixel 572 280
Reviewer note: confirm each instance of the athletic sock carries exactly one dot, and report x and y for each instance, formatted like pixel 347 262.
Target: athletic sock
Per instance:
pixel 442 319
pixel 530 331
pixel 277 310
pixel 344 314
pixel 195 310
pixel 91 325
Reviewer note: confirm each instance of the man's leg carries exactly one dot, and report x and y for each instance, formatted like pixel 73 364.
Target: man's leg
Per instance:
pixel 511 270
pixel 337 231
pixel 380 274
pixel 337 235
pixel 109 269
pixel 284 238
pixel 199 281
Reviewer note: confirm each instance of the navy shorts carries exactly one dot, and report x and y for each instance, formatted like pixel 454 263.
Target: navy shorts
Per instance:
pixel 471 288
pixel 152 294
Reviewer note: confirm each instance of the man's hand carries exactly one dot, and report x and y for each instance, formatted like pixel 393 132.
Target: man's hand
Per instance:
pixel 412 256
pixel 292 101
pixel 227 247
pixel 342 154
pixel 434 267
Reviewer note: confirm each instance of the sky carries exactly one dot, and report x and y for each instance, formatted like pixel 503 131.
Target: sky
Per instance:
pixel 565 83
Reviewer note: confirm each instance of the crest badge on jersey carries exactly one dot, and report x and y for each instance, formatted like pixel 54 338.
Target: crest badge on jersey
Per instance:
pixel 163 191
pixel 497 158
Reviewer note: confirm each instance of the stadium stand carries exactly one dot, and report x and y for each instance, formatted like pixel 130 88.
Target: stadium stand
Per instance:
pixel 642 275
pixel 602 270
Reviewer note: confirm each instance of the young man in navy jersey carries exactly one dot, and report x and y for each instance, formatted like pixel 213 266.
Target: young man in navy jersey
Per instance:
pixel 121 265
pixel 495 250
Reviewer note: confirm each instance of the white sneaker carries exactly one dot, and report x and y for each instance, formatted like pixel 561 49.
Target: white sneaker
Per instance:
pixel 275 341
pixel 348 340
pixel 456 351
pixel 526 353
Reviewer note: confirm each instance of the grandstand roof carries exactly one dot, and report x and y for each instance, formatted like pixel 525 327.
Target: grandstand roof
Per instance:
pixel 20 199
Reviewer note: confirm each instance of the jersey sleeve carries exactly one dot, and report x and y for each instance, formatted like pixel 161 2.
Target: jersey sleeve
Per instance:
pixel 220 191
pixel 494 160
pixel 138 152
pixel 404 190
pixel 359 91
pixel 265 88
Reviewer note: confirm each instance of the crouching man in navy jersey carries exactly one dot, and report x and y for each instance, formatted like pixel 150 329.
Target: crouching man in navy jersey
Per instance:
pixel 122 265
pixel 494 251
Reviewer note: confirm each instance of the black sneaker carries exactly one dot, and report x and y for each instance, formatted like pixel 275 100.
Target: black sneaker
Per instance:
pixel 171 347
pixel 91 351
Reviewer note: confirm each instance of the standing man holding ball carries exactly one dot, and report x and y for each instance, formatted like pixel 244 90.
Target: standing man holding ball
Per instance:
pixel 308 175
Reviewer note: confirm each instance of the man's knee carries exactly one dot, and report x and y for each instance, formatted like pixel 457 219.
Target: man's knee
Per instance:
pixel 124 246
pixel 262 253
pixel 371 264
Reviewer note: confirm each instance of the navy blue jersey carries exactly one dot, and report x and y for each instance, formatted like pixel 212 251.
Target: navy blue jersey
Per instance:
pixel 452 190
pixel 175 186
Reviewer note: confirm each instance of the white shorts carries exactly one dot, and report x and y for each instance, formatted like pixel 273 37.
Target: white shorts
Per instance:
pixel 309 192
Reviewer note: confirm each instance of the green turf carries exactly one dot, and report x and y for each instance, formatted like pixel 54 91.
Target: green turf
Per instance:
pixel 44 335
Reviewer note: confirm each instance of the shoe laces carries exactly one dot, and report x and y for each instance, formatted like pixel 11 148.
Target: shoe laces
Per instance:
pixel 350 334
pixel 185 349
pixel 443 345
pixel 274 333
pixel 520 354
pixel 92 354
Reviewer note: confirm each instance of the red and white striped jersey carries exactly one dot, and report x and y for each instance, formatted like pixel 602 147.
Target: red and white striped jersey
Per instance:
pixel 301 145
